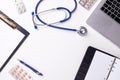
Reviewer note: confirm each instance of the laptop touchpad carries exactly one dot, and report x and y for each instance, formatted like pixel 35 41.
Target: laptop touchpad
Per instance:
pixel 100 21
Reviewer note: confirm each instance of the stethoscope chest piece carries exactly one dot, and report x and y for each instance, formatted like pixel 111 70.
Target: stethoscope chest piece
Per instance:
pixel 82 31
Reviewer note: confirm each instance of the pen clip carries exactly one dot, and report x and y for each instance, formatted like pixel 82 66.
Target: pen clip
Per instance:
pixel 7 20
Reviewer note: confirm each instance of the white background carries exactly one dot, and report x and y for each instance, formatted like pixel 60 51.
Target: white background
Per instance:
pixel 55 53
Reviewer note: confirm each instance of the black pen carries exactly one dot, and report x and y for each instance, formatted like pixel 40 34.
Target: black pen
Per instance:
pixel 31 68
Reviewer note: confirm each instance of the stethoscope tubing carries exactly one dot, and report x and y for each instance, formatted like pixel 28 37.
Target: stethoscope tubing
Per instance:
pixel 61 21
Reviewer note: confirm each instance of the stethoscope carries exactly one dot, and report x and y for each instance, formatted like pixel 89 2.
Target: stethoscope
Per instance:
pixel 81 31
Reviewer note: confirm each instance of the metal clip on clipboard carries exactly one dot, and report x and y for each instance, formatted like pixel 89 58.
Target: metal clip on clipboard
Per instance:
pixel 15 27
pixel 7 20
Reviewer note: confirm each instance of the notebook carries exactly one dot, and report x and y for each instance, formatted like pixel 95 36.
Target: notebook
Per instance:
pixel 12 36
pixel 106 20
pixel 98 65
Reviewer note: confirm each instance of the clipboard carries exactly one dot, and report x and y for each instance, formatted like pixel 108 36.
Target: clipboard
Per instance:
pixel 13 41
pixel 98 65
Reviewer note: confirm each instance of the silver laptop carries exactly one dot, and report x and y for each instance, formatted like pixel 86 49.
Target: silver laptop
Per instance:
pixel 106 20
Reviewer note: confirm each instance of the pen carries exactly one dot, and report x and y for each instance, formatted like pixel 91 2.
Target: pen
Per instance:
pixel 30 67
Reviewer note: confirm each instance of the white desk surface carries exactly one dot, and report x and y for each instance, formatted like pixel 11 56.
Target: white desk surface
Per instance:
pixel 55 53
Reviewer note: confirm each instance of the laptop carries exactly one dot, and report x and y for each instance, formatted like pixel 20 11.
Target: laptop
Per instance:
pixel 106 20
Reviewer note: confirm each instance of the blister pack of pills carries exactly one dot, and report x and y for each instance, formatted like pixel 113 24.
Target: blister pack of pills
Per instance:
pixel 20 6
pixel 19 74
pixel 87 3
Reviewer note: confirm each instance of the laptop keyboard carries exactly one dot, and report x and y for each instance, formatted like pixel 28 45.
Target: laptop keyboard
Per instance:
pixel 112 8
